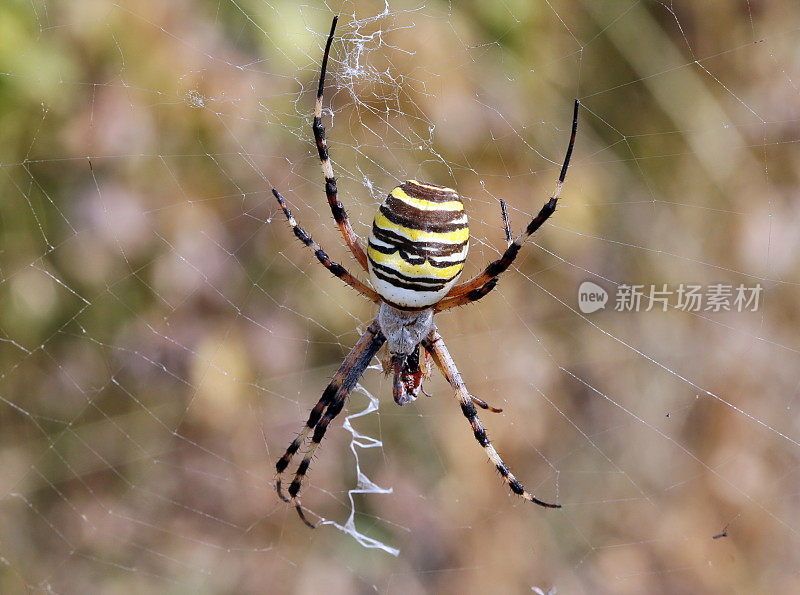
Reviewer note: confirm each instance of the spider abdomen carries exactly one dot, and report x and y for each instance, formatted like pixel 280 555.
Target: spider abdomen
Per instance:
pixel 418 244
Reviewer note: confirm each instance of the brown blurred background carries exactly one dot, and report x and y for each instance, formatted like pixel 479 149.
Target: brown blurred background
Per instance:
pixel 163 335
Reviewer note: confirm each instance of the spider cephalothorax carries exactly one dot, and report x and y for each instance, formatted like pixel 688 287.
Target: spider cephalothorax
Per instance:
pixel 416 250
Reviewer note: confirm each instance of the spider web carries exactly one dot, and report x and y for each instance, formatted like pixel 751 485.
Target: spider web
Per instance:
pixel 163 335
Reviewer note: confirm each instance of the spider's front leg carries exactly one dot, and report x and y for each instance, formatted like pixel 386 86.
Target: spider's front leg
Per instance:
pixel 434 344
pixel 337 208
pixel 480 285
pixel 326 409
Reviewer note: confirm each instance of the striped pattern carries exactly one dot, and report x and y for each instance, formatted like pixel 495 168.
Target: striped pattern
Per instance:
pixel 418 244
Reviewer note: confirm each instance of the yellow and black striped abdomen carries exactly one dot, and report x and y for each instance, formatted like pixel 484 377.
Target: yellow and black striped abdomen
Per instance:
pixel 418 244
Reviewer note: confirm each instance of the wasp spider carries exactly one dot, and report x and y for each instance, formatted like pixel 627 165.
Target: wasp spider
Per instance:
pixel 416 250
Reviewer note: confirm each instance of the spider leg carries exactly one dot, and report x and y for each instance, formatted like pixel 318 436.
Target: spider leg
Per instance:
pixel 328 395
pixel 506 223
pixel 435 345
pixel 316 413
pixel 484 405
pixel 334 267
pixel 480 285
pixel 337 208
pixel 326 409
